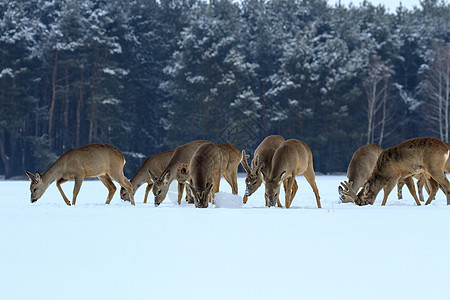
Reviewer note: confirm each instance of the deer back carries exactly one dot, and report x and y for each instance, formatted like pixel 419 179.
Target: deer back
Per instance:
pixel 93 160
pixel 230 156
pixel 154 164
pixel 264 153
pixel 412 156
pixel 292 157
pixel 181 155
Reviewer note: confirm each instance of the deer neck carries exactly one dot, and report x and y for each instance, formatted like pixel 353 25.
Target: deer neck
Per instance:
pixel 139 178
pixel 53 173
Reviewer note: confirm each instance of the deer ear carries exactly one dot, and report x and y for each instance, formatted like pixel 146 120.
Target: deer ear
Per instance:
pixel 366 188
pixel 340 190
pixel 208 188
pixel 166 177
pixel 191 188
pixel 30 175
pixel 255 161
pixel 37 175
pixel 262 166
pixel 152 176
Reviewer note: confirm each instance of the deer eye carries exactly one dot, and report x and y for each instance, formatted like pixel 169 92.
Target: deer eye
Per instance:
pixel 34 190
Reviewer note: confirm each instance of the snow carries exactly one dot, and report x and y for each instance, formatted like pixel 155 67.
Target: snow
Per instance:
pixel 95 251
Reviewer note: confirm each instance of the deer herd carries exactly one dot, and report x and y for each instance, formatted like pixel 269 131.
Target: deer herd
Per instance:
pixel 199 165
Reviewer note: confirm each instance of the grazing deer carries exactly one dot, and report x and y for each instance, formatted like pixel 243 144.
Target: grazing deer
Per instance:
pixel 360 168
pixel 262 159
pixel 230 162
pixel 205 170
pixel 423 181
pixel 420 155
pixel 229 167
pixel 154 164
pixel 175 169
pixel 95 160
pixel 292 158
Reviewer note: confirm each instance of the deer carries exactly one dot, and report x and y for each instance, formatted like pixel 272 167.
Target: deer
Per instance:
pixel 154 164
pixel 230 162
pixel 175 169
pixel 95 160
pixel 361 165
pixel 426 155
pixel 229 167
pixel 423 181
pixel 359 169
pixel 292 157
pixel 205 172
pixel 262 159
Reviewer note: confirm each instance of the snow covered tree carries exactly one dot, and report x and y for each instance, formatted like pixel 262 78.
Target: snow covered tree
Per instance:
pixel 436 90
pixel 209 79
pixel 377 89
pixel 18 38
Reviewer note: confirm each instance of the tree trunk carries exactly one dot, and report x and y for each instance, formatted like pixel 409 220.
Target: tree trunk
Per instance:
pixel 52 105
pixel 3 155
pixel 78 113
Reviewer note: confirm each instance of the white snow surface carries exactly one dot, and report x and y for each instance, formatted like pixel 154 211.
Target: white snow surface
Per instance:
pixel 95 251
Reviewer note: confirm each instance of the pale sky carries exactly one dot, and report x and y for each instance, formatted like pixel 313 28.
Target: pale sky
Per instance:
pixel 389 4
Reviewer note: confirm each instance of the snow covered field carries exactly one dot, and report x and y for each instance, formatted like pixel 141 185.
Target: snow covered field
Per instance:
pixel 93 251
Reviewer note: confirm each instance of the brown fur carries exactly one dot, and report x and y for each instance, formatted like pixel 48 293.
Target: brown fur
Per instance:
pixel 292 158
pixel 205 169
pixel 420 155
pixel 262 160
pixel 95 160
pixel 154 164
pixel 360 167
pixel 174 170
pixel 230 162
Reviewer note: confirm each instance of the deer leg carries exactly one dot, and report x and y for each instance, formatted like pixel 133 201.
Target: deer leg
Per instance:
pixel 410 184
pixel 288 193
pixel 189 195
pixel 106 180
pixel 216 185
pixel 76 188
pixel 442 180
pixel 420 184
pixel 180 191
pixel 428 186
pixel 399 189
pixel 311 178
pixel 58 185
pixel 147 190
pixel 294 189
pixel 228 179
pixel 387 190
pixel 233 182
pixel 434 188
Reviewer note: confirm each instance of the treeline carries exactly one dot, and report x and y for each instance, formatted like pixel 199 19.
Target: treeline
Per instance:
pixel 147 76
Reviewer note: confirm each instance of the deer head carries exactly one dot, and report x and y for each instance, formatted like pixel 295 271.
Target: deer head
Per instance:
pixel 201 196
pixel 160 187
pixel 254 176
pixel 273 189
pixel 37 186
